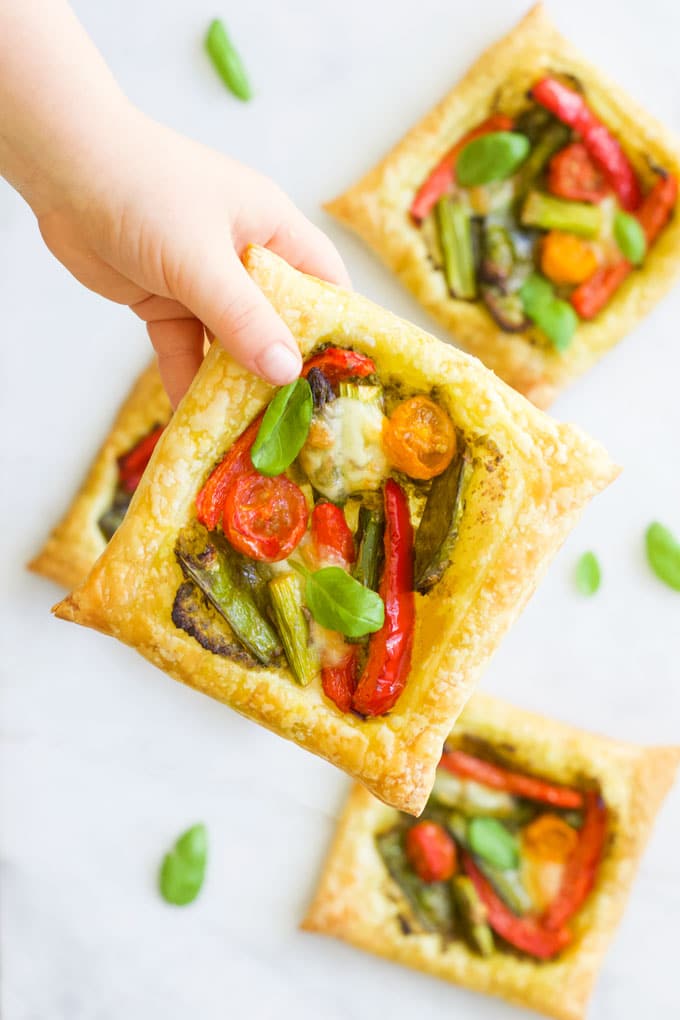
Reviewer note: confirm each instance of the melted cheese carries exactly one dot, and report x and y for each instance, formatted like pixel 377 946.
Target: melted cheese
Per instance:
pixel 343 452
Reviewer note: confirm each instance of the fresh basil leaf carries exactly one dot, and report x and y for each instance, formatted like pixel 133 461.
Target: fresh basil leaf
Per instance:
pixel 490 840
pixel 630 237
pixel 663 553
pixel 556 318
pixel 588 574
pixel 284 428
pixel 183 868
pixel 491 157
pixel 338 602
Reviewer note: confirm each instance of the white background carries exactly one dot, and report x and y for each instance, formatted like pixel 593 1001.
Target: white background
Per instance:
pixel 103 760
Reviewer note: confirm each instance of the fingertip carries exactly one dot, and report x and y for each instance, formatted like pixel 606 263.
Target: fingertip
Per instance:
pixel 278 363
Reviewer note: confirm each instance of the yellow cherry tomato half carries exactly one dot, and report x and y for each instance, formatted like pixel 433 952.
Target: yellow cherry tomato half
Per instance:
pixel 419 438
pixel 549 838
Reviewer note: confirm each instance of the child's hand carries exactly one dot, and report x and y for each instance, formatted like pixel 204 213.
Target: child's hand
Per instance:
pixel 140 214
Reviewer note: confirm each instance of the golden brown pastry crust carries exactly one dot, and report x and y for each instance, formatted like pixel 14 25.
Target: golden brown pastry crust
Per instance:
pixel 518 511
pixel 76 542
pixel 377 207
pixel 357 900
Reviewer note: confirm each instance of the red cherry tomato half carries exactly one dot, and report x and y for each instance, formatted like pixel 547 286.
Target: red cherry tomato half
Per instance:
pixel 431 852
pixel 265 518
pixel 573 174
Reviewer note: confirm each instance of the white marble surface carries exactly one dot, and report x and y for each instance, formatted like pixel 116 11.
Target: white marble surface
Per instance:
pixel 102 759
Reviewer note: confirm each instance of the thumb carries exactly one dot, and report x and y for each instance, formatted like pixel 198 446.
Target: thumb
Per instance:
pixel 236 311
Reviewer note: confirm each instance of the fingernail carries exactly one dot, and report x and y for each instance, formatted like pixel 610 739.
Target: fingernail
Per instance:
pixel 279 364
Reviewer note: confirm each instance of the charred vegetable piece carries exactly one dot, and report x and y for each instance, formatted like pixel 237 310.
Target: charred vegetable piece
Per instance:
pixel 111 519
pixel 192 613
pixel 471 913
pixel 370 554
pixel 286 596
pixel 506 309
pixel 468 766
pixel 534 121
pixel 209 563
pixel 455 237
pixel 546 145
pixel 338 363
pixel 499 255
pixel 574 175
pixel 322 391
pixel 431 903
pixel 550 213
pixel 440 521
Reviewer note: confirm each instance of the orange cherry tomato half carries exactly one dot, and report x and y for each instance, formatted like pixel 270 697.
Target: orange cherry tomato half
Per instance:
pixel 419 438
pixel 265 518
pixel 549 838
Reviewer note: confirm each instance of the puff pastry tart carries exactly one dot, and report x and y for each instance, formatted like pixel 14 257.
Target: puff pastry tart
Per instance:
pixel 532 211
pixel 81 535
pixel 515 878
pixel 337 559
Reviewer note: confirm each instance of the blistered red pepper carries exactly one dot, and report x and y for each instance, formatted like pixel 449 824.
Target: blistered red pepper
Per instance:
pixel 443 177
pixel 525 933
pixel 431 852
pixel 212 497
pixel 571 108
pixel 573 174
pixel 592 295
pixel 131 465
pixel 332 537
pixel 338 364
pixel 339 681
pixel 467 766
pixel 581 868
pixel 389 650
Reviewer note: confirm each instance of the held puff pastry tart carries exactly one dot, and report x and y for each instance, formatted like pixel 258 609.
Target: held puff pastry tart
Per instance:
pixel 81 535
pixel 175 572
pixel 371 896
pixel 466 258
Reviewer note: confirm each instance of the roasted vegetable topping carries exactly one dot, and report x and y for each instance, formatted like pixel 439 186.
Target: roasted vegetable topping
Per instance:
pixel 327 581
pixel 131 467
pixel 526 870
pixel 419 438
pixel 430 851
pixel 440 522
pixel 543 185
pixel 211 564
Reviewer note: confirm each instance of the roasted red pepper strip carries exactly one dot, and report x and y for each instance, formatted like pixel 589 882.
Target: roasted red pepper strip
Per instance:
pixel 389 650
pixel 132 464
pixel 571 108
pixel 581 868
pixel 333 540
pixel 211 499
pixel 443 176
pixel 592 295
pixel 339 682
pixel 467 766
pixel 337 364
pixel 525 933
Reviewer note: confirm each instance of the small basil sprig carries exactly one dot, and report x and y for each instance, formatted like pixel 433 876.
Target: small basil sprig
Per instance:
pixel 490 840
pixel 588 574
pixel 663 554
pixel 183 868
pixel 630 237
pixel 556 318
pixel 492 157
pixel 339 602
pixel 284 428
pixel 226 60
